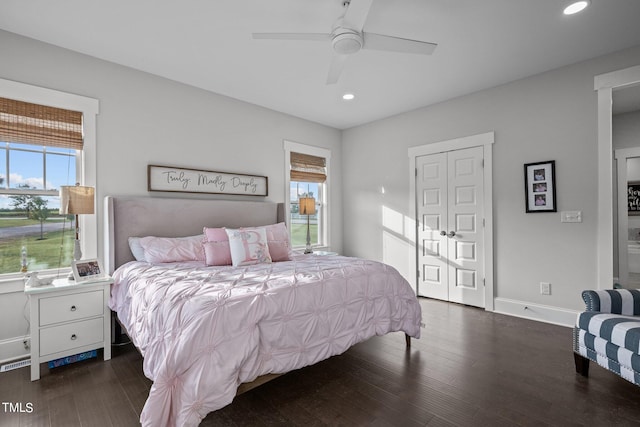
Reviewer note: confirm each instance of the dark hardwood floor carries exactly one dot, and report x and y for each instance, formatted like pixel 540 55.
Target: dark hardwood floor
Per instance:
pixel 470 368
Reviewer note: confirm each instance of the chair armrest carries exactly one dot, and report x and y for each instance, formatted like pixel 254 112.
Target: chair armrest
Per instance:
pixel 615 301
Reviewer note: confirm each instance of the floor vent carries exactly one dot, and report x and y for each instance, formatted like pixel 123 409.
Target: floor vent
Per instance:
pixel 15 365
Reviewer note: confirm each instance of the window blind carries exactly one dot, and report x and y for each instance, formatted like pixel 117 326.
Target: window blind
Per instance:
pixel 308 168
pixel 26 123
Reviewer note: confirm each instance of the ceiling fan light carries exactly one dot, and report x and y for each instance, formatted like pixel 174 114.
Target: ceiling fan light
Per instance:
pixel 347 43
pixel 576 7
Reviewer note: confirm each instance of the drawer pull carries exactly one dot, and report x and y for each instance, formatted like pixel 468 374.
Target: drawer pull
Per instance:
pixel 73 308
pixel 73 337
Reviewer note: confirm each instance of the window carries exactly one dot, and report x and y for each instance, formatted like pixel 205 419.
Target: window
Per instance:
pixel 298 220
pixel 40 147
pixel 307 178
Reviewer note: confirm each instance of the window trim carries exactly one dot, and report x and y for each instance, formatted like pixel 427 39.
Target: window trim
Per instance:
pixel 297 147
pixel 86 162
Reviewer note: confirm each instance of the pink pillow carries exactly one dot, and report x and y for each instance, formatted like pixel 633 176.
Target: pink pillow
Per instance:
pixel 278 241
pixel 216 247
pixel 172 249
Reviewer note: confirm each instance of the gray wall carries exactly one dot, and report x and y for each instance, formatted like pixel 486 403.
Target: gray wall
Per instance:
pixel 626 130
pixel 550 116
pixel 147 119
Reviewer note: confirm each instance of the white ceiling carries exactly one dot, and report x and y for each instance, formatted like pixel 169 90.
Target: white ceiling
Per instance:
pixel 208 44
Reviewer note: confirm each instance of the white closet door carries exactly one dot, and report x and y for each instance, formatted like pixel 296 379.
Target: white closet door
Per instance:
pixel 449 195
pixel 431 198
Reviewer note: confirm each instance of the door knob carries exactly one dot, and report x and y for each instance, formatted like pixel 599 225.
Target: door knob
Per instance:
pixel 443 233
pixel 451 233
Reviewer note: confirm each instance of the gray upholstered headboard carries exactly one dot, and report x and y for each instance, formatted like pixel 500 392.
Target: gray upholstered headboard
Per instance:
pixel 172 217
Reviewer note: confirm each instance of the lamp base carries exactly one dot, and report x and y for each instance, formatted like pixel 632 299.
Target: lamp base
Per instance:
pixel 77 252
pixel 308 249
pixel 77 256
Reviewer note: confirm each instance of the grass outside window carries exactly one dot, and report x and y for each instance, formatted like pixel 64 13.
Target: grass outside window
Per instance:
pixel 299 234
pixel 53 250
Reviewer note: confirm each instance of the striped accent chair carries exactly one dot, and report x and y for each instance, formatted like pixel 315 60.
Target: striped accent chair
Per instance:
pixel 608 333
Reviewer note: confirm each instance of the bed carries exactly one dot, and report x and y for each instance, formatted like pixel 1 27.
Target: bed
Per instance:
pixel 203 331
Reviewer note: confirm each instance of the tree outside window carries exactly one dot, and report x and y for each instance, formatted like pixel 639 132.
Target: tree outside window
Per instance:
pixel 35 208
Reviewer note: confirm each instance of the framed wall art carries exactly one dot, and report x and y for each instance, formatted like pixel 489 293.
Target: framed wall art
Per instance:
pixel 633 198
pixel 183 180
pixel 540 187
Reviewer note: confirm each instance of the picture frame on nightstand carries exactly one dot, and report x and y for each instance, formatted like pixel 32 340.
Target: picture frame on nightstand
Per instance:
pixel 85 270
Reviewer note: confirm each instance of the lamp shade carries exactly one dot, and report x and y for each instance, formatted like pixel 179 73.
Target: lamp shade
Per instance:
pixel 76 199
pixel 307 206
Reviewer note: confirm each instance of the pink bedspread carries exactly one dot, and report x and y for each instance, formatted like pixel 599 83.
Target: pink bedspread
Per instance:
pixel 205 330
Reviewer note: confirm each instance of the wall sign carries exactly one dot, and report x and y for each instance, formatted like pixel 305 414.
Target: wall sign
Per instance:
pixel 633 197
pixel 183 180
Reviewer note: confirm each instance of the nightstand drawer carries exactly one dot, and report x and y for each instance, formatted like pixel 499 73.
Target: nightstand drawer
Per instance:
pixel 71 307
pixel 71 335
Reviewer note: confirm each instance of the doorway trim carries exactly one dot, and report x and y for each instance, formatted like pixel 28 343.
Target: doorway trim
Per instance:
pixel 604 85
pixel 486 141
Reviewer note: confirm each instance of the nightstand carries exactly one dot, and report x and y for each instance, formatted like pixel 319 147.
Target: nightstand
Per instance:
pixel 68 318
pixel 323 253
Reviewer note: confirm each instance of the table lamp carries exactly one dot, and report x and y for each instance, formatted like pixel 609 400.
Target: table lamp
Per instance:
pixel 308 208
pixel 76 200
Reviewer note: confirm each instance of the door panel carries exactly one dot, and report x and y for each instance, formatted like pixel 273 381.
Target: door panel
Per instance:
pixel 451 185
pixel 432 216
pixel 465 181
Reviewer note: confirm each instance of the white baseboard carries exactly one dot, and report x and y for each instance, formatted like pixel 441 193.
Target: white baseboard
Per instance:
pixel 12 349
pixel 541 313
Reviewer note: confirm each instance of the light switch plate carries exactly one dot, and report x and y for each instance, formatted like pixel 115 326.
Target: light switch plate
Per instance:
pixel 571 216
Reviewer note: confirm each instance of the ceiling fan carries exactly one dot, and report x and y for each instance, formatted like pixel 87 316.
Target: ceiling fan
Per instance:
pixel 347 37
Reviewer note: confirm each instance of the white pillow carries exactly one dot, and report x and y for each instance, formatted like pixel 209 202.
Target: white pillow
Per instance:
pixel 248 246
pixel 136 248
pixel 172 249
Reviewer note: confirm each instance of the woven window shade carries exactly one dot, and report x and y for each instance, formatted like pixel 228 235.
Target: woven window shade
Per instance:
pixel 307 168
pixel 26 123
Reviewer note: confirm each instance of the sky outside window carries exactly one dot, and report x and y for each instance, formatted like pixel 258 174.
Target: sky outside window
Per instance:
pixel 301 188
pixel 27 168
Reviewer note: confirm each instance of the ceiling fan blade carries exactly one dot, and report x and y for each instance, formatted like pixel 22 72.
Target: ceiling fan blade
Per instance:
pixel 292 36
pixel 396 44
pixel 335 69
pixel 356 14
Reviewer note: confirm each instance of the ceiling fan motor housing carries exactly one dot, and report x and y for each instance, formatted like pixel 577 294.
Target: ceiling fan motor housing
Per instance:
pixel 347 42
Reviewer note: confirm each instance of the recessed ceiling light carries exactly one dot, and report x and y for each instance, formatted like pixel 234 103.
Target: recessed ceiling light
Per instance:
pixel 348 96
pixel 576 7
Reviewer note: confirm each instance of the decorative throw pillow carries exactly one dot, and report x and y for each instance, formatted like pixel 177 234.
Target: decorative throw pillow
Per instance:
pixel 216 247
pixel 278 241
pixel 248 246
pixel 172 249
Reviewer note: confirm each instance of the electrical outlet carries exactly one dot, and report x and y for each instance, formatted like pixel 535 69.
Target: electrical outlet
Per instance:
pixel 26 344
pixel 545 288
